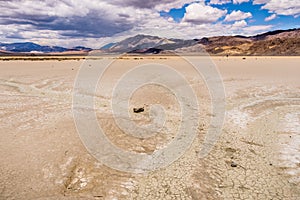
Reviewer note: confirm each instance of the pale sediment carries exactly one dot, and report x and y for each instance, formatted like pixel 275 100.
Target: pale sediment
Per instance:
pixel 256 157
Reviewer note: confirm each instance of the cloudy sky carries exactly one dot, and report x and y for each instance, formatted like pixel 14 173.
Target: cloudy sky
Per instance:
pixel 94 23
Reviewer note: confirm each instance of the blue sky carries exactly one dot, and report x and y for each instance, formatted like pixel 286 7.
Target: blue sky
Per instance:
pixel 94 23
pixel 258 15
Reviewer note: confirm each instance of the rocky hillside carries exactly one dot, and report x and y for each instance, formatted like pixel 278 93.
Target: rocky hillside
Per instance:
pixel 283 43
pixel 274 43
pixel 28 48
pixel 280 42
pixel 141 43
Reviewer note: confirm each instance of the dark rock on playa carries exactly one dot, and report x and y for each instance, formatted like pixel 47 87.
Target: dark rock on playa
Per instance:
pixel 233 164
pixel 138 110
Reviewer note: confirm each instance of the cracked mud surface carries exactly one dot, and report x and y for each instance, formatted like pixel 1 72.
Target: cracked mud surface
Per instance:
pixel 256 157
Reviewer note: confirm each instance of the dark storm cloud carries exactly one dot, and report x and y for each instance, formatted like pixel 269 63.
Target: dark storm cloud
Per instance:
pixel 79 18
pixel 123 15
pixel 140 3
pixel 87 26
pixel 26 19
pixel 14 36
pixel 93 23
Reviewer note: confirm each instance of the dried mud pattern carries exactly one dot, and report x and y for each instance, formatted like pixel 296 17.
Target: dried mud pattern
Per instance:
pixel 44 158
pixel 260 174
pixel 30 104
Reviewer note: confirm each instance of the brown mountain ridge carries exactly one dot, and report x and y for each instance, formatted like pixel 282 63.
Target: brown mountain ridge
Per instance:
pixel 273 43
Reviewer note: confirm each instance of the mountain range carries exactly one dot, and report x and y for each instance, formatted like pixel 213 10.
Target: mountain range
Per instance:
pixel 274 43
pixel 36 49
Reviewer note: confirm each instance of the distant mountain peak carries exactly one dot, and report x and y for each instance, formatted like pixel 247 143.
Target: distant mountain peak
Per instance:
pixel 30 47
pixel 137 42
pixel 279 42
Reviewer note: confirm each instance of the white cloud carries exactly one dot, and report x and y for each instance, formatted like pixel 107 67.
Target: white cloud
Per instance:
pixel 239 24
pixel 61 23
pixel 173 4
pixel 237 15
pixel 84 18
pixel 271 17
pixel 257 29
pixel 283 7
pixel 49 8
pixel 197 13
pixel 240 1
pixel 159 5
pixel 219 2
pixel 260 1
pixel 159 27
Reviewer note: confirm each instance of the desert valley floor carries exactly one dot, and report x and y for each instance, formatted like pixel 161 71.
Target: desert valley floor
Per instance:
pixel 256 157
